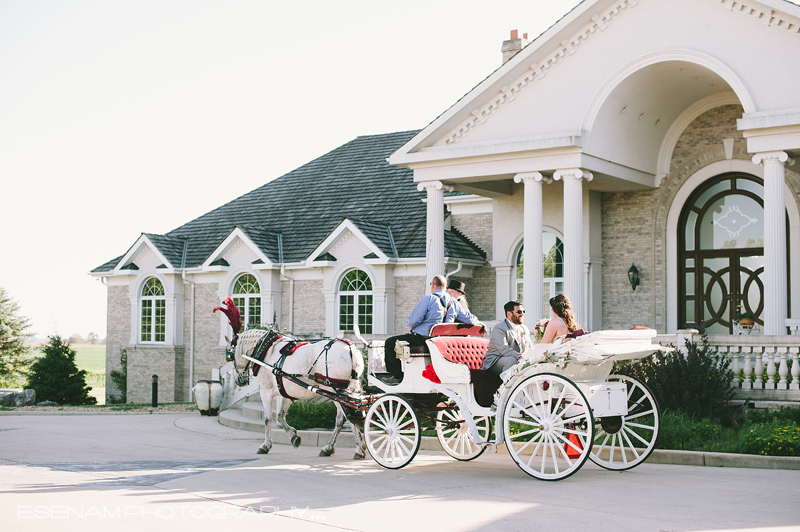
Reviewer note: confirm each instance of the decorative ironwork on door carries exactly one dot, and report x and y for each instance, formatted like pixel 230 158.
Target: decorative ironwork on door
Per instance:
pixel 721 259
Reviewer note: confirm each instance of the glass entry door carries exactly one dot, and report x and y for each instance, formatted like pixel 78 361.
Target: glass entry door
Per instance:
pixel 721 259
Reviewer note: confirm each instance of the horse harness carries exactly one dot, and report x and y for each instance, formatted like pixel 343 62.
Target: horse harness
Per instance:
pixel 272 337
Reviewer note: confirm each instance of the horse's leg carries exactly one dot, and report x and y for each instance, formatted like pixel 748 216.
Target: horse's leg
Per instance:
pixel 356 420
pixel 329 447
pixel 361 444
pixel 266 401
pixel 282 420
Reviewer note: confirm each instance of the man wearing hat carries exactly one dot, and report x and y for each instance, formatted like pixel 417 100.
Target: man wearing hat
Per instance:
pixel 456 291
pixel 439 306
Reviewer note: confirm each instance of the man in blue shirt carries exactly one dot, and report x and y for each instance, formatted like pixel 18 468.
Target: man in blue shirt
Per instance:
pixel 433 309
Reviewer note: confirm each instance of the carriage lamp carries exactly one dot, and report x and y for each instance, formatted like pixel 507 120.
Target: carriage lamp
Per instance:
pixel 633 276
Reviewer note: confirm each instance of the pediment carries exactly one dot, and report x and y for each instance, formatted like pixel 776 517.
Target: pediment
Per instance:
pixel 346 237
pixel 145 255
pixel 238 247
pixel 548 97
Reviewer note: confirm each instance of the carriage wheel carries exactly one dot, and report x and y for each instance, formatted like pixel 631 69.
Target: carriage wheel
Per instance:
pixel 392 431
pixel 548 426
pixel 623 442
pixel 455 437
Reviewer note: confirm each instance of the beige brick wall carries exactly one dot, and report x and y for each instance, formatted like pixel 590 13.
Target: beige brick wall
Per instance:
pixel 309 308
pixel 481 288
pixel 208 353
pixel 143 363
pixel 408 292
pixel 634 223
pixel 118 332
pixel 476 227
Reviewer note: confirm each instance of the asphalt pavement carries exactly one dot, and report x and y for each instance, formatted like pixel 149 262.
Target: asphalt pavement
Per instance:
pixel 186 472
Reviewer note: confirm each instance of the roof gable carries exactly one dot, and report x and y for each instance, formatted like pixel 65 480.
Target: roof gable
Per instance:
pixel 166 252
pixel 560 71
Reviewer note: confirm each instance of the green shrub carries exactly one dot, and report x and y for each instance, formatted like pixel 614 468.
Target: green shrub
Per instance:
pixel 304 415
pixel 697 383
pixel 679 431
pixel 56 377
pixel 120 379
pixel 776 438
pixel 786 414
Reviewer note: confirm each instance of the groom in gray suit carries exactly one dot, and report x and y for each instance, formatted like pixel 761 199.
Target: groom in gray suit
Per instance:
pixel 509 338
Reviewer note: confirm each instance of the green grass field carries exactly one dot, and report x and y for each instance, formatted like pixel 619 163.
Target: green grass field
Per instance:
pixel 92 358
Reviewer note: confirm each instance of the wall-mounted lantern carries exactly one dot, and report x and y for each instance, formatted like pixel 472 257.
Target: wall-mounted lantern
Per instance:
pixel 633 276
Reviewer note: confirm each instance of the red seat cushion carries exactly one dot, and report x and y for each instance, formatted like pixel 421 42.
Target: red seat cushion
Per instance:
pixel 468 350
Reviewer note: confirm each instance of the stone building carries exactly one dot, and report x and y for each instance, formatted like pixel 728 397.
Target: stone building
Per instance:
pixel 643 150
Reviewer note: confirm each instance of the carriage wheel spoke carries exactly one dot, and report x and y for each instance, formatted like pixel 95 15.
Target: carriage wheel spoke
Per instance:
pixel 649 412
pixel 626 431
pixel 628 440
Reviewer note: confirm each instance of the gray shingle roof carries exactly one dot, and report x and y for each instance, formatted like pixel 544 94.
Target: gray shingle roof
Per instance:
pixel 304 206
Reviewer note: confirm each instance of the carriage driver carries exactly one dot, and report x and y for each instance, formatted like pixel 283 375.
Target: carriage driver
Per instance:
pixel 433 309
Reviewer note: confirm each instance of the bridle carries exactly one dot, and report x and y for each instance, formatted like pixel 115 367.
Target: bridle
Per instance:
pixel 243 375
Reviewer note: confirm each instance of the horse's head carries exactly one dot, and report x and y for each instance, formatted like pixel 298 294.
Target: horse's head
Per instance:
pixel 235 319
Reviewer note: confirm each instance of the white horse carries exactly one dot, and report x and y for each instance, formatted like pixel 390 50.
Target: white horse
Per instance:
pixel 338 362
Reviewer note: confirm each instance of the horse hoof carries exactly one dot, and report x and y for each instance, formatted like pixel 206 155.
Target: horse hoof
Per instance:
pixel 323 452
pixel 262 450
pixel 295 441
pixel 358 456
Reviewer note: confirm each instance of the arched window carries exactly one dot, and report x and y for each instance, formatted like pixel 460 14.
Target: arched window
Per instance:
pixel 355 301
pixel 247 296
pixel 721 253
pixel 153 318
pixel 553 262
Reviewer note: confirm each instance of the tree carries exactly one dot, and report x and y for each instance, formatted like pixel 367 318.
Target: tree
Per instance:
pixel 56 377
pixel 13 342
pixel 93 338
pixel 75 339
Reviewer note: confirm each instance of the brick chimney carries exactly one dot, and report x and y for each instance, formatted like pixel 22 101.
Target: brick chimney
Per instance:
pixel 513 45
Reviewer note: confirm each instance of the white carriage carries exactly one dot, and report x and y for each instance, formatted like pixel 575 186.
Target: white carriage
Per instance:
pixel 552 414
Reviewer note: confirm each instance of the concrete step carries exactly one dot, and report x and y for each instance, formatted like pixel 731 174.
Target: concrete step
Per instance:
pixel 254 410
pixel 235 419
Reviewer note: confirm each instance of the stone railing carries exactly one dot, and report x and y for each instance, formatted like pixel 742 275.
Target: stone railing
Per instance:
pixel 764 367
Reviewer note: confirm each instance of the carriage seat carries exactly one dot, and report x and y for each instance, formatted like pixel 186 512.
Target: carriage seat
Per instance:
pixel 468 350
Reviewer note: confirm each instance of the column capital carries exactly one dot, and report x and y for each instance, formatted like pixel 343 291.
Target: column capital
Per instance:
pixel 527 177
pixel 772 157
pixel 433 185
pixel 572 173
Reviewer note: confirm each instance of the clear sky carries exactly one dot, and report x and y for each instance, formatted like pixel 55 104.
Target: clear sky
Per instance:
pixel 123 117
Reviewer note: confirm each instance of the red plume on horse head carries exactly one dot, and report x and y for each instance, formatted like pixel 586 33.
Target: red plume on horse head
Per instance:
pixel 234 317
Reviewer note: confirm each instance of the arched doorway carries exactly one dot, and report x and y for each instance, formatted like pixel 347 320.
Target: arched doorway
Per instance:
pixel 721 253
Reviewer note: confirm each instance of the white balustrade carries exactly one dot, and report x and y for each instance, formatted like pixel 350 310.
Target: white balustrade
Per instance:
pixel 758 368
pixel 795 384
pixel 748 369
pixel 783 368
pixel 769 353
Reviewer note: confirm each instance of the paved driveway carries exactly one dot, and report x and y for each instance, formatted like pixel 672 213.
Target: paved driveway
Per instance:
pixel 184 472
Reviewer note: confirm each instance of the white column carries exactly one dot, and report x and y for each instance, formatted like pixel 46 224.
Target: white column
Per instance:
pixel 533 269
pixel 775 288
pixel 434 247
pixel 503 290
pixel 573 237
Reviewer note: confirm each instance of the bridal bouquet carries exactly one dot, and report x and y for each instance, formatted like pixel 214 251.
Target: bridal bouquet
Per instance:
pixel 538 330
